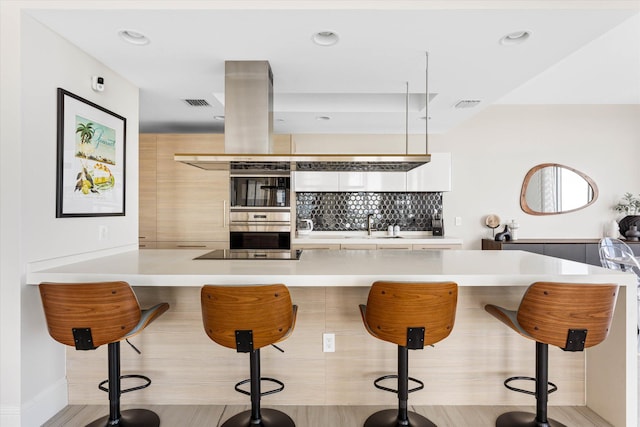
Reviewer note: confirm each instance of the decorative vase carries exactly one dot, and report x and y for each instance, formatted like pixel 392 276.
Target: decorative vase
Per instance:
pixel 628 221
pixel 632 234
pixel 504 235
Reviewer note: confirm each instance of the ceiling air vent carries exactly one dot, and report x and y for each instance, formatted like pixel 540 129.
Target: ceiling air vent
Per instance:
pixel 467 103
pixel 197 102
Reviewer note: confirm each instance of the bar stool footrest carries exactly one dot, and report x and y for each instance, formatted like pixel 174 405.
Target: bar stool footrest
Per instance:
pixel 140 387
pixel 519 390
pixel 264 393
pixel 394 376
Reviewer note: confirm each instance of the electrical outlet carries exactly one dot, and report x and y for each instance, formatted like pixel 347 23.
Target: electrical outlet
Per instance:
pixel 103 232
pixel 329 343
pixel 458 220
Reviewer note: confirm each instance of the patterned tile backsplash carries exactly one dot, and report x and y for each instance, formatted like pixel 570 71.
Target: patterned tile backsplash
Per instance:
pixel 348 211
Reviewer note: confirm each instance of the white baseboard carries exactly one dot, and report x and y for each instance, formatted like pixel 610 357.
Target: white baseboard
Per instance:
pixel 45 405
pixel 9 416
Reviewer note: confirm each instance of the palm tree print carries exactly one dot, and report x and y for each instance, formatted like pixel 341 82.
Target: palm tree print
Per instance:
pixel 86 132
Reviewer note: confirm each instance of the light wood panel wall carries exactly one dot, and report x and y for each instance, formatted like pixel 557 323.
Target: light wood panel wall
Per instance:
pixel 191 203
pixel 147 189
pixel 467 368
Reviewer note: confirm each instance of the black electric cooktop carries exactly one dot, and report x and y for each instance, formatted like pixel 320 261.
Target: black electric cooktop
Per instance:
pixel 253 254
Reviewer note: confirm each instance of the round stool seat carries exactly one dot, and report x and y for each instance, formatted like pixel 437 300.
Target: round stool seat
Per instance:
pixel 389 418
pixel 269 418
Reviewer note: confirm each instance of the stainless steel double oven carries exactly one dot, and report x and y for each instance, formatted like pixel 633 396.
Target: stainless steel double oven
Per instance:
pixel 260 214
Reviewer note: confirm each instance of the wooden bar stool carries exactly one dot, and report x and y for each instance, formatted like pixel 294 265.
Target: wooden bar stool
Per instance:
pixel 88 315
pixel 410 315
pixel 568 315
pixel 247 318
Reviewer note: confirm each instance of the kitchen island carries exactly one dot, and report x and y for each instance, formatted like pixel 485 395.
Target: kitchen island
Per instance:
pixel 465 369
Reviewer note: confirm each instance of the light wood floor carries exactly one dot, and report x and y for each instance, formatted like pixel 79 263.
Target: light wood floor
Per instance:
pixel 326 416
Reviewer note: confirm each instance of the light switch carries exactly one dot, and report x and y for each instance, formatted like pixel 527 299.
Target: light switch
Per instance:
pixel 458 220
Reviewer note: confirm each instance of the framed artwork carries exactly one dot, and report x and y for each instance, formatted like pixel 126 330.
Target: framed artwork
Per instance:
pixel 91 159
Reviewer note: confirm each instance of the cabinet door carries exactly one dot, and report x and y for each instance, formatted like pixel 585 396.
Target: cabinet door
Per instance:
pixel 570 251
pixel 316 181
pixel 147 189
pixel 317 246
pixel 536 248
pixel 358 246
pixel 373 181
pixel 352 181
pixel 405 246
pixel 192 203
pixel 434 176
pixel 435 246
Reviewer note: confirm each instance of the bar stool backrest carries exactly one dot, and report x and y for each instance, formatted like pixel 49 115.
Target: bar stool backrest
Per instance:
pixel 109 309
pixel 392 307
pixel 264 309
pixel 549 310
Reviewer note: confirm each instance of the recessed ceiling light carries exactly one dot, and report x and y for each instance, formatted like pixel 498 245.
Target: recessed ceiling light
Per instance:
pixel 516 37
pixel 133 37
pixel 323 118
pixel 325 38
pixel 425 118
pixel 219 118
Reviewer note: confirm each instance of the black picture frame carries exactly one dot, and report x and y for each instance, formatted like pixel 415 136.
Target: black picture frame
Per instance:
pixel 91 159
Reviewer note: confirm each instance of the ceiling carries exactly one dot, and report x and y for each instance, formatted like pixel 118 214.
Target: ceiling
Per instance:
pixel 588 53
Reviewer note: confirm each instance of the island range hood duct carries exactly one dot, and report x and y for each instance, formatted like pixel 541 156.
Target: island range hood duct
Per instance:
pixel 248 133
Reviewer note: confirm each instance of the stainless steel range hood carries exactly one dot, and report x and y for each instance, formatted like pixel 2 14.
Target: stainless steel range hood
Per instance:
pixel 249 128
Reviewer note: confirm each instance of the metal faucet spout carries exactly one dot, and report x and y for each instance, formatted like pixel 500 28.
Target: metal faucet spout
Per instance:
pixel 369 224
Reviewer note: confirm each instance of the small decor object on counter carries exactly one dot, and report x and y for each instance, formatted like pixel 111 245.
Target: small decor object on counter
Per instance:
pixel 504 235
pixel 492 221
pixel 514 229
pixel 632 234
pixel 611 230
pixel 390 230
pixel 629 205
pixel 396 230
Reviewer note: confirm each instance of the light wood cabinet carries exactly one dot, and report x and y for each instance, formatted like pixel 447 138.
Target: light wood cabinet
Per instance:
pixel 191 204
pixel 358 246
pixel 147 190
pixel 435 246
pixel 325 246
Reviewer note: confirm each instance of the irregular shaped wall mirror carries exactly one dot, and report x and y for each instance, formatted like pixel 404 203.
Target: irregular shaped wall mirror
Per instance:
pixel 551 188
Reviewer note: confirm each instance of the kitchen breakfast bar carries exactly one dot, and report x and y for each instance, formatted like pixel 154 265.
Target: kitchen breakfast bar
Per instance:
pixel 467 368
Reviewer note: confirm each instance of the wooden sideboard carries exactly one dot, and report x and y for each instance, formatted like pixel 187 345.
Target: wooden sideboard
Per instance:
pixel 581 250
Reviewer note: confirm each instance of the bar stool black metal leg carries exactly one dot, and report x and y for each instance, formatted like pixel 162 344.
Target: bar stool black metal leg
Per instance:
pixel 539 419
pixel 401 417
pixel 130 417
pixel 258 417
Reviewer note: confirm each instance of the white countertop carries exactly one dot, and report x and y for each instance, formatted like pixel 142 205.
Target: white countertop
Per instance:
pixel 358 237
pixel 175 267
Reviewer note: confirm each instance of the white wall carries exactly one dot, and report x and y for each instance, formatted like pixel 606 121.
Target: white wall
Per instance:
pixel 492 152
pixel 47 62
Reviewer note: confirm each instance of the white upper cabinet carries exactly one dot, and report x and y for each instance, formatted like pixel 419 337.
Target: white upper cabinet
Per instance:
pixel 315 181
pixel 350 181
pixel 434 176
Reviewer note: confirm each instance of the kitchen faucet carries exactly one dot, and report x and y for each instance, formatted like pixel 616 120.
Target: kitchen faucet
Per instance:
pixel 369 223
